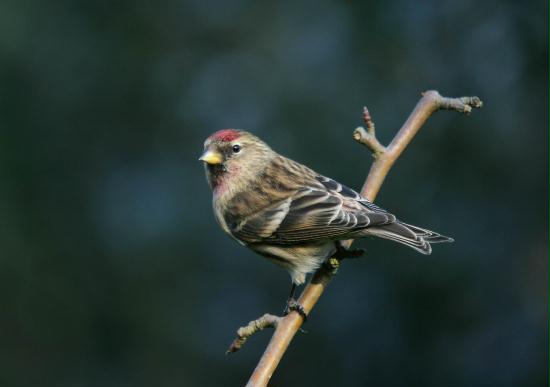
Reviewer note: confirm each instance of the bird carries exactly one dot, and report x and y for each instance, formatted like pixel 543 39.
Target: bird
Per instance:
pixel 290 214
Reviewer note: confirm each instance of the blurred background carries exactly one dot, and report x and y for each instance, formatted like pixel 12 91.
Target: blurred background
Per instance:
pixel 113 271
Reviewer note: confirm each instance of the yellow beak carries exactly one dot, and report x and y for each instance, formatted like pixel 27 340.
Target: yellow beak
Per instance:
pixel 211 157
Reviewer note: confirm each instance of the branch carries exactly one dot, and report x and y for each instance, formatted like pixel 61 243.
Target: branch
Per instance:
pixel 368 137
pixel 430 102
pixel 243 333
pixel 384 158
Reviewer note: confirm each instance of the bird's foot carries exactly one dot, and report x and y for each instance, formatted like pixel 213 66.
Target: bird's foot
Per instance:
pixel 342 252
pixel 293 305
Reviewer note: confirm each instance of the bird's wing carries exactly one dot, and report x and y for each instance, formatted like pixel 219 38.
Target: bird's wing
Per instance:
pixel 325 210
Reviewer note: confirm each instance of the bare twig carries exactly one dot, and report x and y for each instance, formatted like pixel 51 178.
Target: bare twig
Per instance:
pixel 243 333
pixel 430 102
pixel 286 327
pixel 367 119
pixel 368 137
pixel 369 140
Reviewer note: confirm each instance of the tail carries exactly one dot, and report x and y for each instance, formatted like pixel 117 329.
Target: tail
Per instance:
pixel 412 236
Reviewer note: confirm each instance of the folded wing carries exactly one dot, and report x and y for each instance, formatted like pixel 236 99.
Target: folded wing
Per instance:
pixel 312 214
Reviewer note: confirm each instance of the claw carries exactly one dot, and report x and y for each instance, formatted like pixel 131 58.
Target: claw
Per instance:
pixel 293 305
pixel 342 252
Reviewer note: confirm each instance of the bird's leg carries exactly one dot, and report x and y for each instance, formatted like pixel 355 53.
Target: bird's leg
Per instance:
pixel 292 291
pixel 292 304
pixel 342 252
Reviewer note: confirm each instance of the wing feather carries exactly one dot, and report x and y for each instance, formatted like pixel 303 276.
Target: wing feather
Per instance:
pixel 310 208
pixel 327 211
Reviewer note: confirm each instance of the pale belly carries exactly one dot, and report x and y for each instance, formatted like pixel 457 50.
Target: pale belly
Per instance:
pixel 299 260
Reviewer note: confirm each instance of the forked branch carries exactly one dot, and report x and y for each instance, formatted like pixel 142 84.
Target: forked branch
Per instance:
pixel 384 158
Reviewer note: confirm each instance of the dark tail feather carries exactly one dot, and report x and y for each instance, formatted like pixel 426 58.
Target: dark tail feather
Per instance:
pixel 412 236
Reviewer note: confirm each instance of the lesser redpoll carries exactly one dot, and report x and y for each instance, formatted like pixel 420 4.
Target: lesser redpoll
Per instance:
pixel 289 213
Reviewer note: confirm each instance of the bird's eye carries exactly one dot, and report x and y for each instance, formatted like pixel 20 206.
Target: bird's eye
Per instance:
pixel 236 148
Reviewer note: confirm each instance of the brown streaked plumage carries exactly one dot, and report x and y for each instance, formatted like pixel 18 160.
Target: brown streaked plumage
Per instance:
pixel 287 212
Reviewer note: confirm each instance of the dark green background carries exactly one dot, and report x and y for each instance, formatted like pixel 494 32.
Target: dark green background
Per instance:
pixel 112 269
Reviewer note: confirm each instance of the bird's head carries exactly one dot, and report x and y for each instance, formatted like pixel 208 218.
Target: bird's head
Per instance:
pixel 231 156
